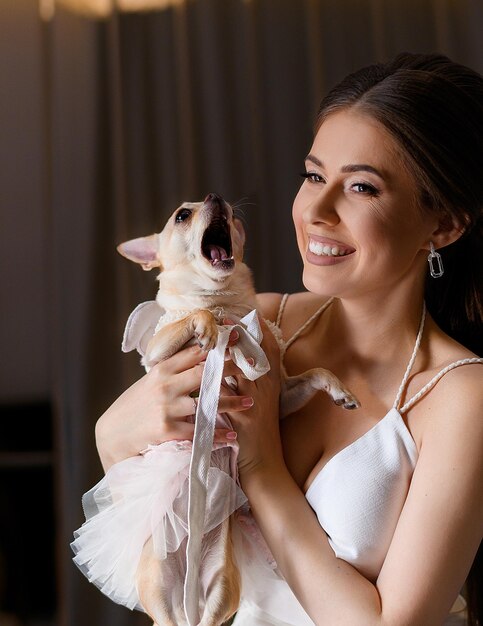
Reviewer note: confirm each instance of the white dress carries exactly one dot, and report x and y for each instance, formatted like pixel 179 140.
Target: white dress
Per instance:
pixel 358 497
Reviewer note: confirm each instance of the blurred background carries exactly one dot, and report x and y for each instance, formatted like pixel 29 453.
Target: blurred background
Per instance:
pixel 112 114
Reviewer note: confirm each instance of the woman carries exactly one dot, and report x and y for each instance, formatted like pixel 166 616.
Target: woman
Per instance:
pixel 373 516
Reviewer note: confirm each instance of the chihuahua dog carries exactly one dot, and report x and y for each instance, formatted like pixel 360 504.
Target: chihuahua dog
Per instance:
pixel 202 281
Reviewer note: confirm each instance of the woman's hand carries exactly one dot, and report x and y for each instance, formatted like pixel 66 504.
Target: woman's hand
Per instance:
pixel 157 408
pixel 257 428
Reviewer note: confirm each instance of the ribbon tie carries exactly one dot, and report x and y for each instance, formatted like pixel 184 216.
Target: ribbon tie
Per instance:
pixel 248 346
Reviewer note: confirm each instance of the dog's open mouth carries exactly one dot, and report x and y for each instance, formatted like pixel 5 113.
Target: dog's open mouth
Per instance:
pixel 216 244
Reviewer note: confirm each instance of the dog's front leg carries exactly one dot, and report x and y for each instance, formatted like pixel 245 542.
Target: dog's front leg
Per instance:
pixel 298 390
pixel 171 338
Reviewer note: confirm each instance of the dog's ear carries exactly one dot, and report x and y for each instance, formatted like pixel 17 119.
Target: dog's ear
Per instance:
pixel 240 230
pixel 143 250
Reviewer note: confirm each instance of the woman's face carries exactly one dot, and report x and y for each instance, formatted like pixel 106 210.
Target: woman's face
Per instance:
pixel 359 227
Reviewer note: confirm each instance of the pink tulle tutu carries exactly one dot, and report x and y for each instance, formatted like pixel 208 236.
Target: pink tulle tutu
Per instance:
pixel 146 496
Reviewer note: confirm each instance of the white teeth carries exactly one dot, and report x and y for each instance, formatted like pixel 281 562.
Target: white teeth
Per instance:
pixel 216 261
pixel 323 249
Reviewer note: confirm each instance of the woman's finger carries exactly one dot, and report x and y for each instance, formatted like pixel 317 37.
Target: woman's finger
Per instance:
pixel 185 406
pixel 227 404
pixel 230 369
pixel 181 361
pixel 223 435
pixel 170 387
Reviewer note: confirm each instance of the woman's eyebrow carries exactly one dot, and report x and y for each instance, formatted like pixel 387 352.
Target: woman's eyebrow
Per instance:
pixel 314 159
pixel 356 167
pixel 361 167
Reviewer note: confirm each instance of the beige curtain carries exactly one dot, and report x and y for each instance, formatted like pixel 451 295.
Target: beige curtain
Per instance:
pixel 143 111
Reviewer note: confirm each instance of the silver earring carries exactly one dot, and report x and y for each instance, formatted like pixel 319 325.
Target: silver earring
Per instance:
pixel 435 262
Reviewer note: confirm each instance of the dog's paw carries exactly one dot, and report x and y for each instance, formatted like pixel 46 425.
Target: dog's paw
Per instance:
pixel 342 396
pixel 348 401
pixel 206 341
pixel 205 330
pixel 328 382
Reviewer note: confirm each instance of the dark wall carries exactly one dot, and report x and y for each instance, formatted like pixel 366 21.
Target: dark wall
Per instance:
pixel 24 368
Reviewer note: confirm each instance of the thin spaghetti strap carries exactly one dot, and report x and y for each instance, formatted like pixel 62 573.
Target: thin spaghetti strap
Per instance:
pixel 281 309
pixel 298 332
pixel 402 387
pixel 410 403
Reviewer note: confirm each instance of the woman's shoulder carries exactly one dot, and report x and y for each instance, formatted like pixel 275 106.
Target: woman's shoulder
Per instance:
pixel 450 392
pixel 451 420
pixel 461 382
pixel 448 361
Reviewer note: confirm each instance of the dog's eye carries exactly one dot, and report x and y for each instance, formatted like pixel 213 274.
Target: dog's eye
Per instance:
pixel 182 215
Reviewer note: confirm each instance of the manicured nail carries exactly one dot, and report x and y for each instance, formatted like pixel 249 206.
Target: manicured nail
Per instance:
pixel 234 335
pixel 251 361
pixel 247 402
pixel 231 435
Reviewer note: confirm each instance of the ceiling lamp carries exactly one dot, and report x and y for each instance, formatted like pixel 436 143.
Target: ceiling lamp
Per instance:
pixel 103 8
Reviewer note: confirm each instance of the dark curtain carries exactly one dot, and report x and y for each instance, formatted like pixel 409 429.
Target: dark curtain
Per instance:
pixel 143 111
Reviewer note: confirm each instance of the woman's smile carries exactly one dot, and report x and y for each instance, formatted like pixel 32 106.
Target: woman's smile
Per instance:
pixel 325 251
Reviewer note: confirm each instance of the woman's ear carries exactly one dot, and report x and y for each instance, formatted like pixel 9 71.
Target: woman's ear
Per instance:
pixel 449 230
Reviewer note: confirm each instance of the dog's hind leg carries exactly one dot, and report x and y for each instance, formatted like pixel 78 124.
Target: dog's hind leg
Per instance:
pixel 160 584
pixel 298 390
pixel 221 575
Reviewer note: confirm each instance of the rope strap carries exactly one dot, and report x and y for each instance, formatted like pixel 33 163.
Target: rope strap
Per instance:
pixel 434 380
pixel 405 379
pixel 281 309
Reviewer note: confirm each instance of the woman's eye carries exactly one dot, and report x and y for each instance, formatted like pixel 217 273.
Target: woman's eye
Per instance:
pixel 365 188
pixel 182 215
pixel 312 177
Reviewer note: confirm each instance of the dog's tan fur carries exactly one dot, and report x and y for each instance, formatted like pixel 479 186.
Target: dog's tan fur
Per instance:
pixel 199 291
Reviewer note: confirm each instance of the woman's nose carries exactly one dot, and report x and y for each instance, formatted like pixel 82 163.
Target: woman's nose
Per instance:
pixel 322 209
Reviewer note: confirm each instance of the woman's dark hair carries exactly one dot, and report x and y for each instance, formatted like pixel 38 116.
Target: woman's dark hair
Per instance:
pixel 433 108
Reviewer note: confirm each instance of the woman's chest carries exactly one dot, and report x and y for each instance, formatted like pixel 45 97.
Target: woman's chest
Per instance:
pixel 318 432
pixel 321 430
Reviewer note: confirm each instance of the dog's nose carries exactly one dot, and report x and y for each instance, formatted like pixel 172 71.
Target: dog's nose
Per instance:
pixel 214 198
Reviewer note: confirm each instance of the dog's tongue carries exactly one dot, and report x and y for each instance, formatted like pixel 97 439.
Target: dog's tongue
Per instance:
pixel 217 253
